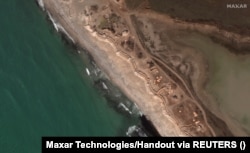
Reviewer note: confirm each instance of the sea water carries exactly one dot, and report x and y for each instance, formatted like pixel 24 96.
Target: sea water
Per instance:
pixel 44 87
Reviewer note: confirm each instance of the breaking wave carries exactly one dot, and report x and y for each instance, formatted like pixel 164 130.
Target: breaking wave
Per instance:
pixel 59 27
pixel 41 4
pixel 113 95
pixel 135 130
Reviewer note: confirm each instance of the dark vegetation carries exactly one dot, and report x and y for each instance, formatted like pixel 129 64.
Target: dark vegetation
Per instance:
pixel 107 23
pixel 212 12
pixel 94 8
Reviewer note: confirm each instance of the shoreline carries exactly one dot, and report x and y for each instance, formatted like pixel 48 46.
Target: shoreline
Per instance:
pixel 130 74
pixel 201 80
pixel 119 74
pixel 234 42
pixel 146 124
pixel 208 98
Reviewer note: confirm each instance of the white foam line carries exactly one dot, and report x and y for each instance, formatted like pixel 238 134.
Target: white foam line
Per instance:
pixel 104 86
pixel 87 70
pixel 125 108
pixel 65 32
pixel 59 27
pixel 53 21
pixel 41 4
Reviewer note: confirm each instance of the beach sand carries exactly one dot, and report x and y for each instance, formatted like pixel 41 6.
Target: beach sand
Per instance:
pixel 119 70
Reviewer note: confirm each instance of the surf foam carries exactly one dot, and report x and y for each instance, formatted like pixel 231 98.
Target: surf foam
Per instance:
pixel 59 27
pixel 41 4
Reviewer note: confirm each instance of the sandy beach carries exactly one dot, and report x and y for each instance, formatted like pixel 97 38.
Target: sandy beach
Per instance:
pixel 149 60
pixel 119 70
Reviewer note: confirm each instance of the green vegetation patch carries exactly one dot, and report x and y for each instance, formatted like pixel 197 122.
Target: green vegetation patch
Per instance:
pixel 104 24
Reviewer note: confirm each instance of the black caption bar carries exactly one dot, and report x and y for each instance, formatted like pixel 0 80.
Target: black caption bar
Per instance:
pixel 164 144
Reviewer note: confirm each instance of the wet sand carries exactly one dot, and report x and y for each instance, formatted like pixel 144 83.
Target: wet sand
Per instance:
pixel 119 70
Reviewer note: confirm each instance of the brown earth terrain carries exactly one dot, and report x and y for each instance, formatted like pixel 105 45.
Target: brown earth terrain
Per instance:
pixel 139 50
pixel 206 12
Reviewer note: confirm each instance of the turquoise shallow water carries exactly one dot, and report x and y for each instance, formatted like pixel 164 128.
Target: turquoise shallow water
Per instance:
pixel 42 90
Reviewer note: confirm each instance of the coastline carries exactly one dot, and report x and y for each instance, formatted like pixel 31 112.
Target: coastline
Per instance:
pixel 70 35
pixel 128 71
pixel 201 77
pixel 210 100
